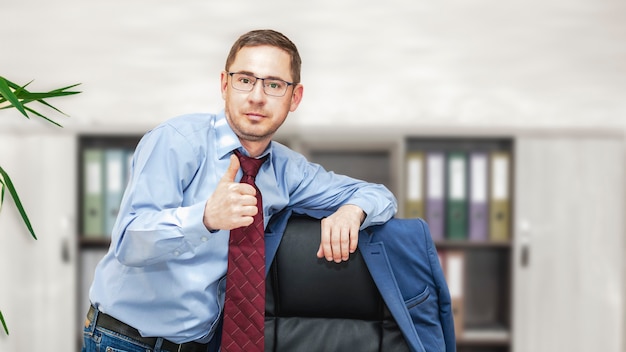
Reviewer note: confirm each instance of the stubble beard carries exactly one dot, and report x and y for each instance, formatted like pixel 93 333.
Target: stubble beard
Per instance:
pixel 249 134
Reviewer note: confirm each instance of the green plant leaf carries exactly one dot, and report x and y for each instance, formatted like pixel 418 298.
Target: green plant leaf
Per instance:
pixel 41 101
pixel 1 192
pixel 66 88
pixel 17 86
pixel 6 181
pixel 4 324
pixel 43 117
pixel 22 93
pixel 18 96
pixel 27 96
pixel 8 94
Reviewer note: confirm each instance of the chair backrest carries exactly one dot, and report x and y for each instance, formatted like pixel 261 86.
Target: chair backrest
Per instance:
pixel 315 305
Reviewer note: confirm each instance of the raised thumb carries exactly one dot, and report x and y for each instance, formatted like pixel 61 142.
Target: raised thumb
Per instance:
pixel 231 172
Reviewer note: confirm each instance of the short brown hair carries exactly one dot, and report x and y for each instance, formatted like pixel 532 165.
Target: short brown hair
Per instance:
pixel 272 38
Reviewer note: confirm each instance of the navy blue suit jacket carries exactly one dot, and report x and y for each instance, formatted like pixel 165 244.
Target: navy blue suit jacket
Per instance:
pixel 403 262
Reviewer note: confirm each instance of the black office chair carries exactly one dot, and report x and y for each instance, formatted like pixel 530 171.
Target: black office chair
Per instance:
pixel 315 305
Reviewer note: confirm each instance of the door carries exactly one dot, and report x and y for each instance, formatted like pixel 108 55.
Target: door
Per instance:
pixel 569 244
pixel 37 293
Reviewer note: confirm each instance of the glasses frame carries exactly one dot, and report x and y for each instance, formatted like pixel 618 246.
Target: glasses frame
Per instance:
pixel 256 79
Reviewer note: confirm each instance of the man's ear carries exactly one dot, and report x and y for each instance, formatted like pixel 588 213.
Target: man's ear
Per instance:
pixel 296 97
pixel 223 83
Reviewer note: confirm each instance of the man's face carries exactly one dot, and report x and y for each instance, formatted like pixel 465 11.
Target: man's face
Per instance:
pixel 254 115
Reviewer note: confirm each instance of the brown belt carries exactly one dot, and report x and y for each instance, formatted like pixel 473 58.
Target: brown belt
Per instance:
pixel 108 322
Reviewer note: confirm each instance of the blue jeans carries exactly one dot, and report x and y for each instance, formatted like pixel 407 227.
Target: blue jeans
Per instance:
pixel 98 339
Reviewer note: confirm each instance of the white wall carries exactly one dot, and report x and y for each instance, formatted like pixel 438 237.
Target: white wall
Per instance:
pixel 432 64
pixel 442 63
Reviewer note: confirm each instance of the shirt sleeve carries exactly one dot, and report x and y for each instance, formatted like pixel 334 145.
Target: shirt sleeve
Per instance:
pixel 315 188
pixel 155 224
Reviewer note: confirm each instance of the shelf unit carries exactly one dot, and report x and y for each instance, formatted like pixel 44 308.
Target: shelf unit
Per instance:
pixel 455 187
pixel 487 274
pixel 90 249
pixel 514 289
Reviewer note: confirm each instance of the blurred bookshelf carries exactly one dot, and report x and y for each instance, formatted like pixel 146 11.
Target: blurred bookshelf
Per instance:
pixel 471 194
pixel 428 174
pixel 462 187
pixel 103 164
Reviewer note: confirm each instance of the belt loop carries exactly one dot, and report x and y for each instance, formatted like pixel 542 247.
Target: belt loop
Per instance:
pixel 157 345
pixel 93 319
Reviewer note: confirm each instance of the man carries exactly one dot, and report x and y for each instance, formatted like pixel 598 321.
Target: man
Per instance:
pixel 162 282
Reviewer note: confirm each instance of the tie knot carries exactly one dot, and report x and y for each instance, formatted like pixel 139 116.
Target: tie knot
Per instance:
pixel 250 166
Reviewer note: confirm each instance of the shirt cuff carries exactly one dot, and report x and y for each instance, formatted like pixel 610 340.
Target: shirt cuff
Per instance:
pixel 192 224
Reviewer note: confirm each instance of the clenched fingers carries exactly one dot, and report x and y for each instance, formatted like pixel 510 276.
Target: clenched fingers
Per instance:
pixel 340 234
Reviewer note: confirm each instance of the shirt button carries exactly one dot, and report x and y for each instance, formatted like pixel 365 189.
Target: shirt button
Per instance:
pixel 204 239
pixel 177 253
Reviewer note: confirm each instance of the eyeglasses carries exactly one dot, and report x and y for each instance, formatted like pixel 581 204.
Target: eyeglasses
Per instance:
pixel 271 86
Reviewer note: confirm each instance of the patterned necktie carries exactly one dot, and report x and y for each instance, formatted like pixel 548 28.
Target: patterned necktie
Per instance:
pixel 244 308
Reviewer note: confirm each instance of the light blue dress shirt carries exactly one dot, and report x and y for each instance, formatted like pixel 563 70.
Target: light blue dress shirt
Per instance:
pixel 164 273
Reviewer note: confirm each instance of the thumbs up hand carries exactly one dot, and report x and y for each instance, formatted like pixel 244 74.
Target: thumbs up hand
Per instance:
pixel 232 204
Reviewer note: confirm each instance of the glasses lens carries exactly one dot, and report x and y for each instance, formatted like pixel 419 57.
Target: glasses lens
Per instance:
pixel 242 82
pixel 275 87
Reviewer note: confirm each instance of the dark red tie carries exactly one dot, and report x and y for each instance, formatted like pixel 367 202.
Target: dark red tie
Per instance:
pixel 244 308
